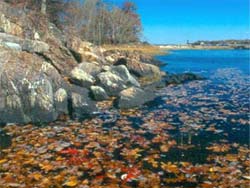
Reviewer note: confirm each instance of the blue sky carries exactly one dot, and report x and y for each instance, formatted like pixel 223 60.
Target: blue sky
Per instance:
pixel 176 21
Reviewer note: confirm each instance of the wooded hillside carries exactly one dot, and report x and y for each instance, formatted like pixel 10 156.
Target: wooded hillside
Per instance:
pixel 97 21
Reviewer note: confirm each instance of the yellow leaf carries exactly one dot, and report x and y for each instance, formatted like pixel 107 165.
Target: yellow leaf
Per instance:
pixel 164 148
pixel 72 182
pixel 3 161
pixel 58 178
pixel 46 167
pixel 36 176
pixel 59 158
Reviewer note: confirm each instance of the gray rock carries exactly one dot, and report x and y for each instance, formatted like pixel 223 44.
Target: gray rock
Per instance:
pixel 12 45
pixel 148 73
pixel 144 69
pixel 180 78
pixel 98 93
pixel 106 68
pixel 17 23
pixel 81 104
pixel 29 88
pixel 35 46
pixel 90 68
pixel 116 79
pixel 61 101
pixel 133 97
pixel 123 72
pixel 111 83
pixel 17 43
pixel 81 78
pixel 40 100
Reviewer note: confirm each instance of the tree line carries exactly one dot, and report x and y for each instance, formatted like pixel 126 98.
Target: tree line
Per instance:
pixel 97 21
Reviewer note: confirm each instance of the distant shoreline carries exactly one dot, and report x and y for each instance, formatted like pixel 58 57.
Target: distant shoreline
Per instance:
pixel 187 47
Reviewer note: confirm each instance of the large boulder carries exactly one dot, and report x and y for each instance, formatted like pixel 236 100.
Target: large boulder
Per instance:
pixel 98 93
pixel 17 43
pixel 85 51
pixel 111 83
pixel 32 90
pixel 27 88
pixel 81 78
pixel 115 79
pixel 90 68
pixel 123 72
pixel 147 73
pixel 144 70
pixel 61 58
pixel 61 101
pixel 133 97
pixel 81 104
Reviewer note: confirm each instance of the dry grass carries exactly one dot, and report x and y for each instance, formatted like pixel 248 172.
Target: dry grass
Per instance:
pixel 146 49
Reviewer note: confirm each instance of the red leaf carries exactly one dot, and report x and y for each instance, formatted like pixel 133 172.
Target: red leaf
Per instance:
pixel 70 151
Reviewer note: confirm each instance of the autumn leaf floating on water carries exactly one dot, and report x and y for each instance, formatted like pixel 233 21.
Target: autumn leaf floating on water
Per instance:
pixel 71 182
pixel 181 142
pixel 130 174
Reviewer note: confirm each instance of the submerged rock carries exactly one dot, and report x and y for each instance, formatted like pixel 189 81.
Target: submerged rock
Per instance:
pixel 180 78
pixel 133 97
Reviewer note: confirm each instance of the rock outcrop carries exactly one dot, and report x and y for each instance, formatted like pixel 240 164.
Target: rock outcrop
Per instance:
pixel 17 43
pixel 27 88
pixel 44 74
pixel 137 65
pixel 85 51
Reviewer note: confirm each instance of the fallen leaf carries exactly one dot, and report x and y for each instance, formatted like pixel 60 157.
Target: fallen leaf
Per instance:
pixel 72 182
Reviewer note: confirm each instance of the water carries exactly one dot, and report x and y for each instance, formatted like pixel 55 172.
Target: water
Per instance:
pixel 221 100
pixel 193 135
pixel 205 62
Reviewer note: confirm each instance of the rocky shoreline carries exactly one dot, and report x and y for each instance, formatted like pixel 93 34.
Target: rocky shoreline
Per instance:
pixel 45 75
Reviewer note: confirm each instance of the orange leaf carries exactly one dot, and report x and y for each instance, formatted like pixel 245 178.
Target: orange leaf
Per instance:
pixel 72 182
pixel 3 161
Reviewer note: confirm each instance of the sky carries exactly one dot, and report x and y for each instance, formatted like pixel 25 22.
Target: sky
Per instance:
pixel 176 21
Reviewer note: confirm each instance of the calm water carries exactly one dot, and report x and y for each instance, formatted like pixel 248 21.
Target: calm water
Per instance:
pixel 193 135
pixel 206 62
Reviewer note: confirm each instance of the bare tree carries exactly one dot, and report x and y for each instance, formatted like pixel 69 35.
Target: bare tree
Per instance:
pixel 43 7
pixel 92 20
